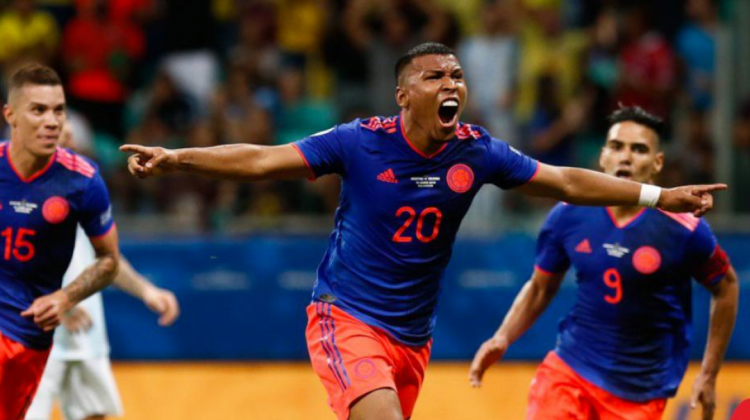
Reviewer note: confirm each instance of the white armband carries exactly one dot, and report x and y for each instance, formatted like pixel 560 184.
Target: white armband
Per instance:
pixel 649 195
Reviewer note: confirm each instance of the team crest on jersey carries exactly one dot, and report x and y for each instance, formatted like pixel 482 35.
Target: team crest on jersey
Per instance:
pixel 615 250
pixel 23 206
pixel 646 260
pixel 460 178
pixel 55 210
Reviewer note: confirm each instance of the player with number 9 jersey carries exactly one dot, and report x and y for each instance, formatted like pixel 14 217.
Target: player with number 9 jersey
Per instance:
pixel 623 348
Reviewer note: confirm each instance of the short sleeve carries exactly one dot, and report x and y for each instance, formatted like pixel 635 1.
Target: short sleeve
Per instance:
pixel 95 208
pixel 326 152
pixel 509 168
pixel 708 263
pixel 551 256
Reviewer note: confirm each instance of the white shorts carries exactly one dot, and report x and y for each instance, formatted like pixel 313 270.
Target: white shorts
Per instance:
pixel 84 388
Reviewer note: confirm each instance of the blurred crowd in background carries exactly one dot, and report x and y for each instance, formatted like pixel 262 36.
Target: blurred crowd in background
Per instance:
pixel 542 75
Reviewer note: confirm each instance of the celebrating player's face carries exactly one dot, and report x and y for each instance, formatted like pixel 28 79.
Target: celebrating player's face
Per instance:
pixel 36 113
pixel 632 152
pixel 434 92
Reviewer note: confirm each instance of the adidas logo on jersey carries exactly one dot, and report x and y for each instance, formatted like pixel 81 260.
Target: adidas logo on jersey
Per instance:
pixel 584 247
pixel 388 176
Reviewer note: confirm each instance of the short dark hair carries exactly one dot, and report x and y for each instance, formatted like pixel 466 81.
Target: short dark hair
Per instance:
pixel 637 115
pixel 34 74
pixel 427 48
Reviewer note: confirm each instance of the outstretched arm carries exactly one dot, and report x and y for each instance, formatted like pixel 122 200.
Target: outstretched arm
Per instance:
pixel 160 301
pixel 49 310
pixel 531 302
pixel 242 162
pixel 590 188
pixel 724 296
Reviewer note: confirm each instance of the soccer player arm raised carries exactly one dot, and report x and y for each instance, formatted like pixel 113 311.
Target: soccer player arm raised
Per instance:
pixel 590 188
pixel 241 162
pixel 531 302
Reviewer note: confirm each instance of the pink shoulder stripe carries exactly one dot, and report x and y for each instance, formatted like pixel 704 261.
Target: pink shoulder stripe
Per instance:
pixel 687 220
pixel 75 163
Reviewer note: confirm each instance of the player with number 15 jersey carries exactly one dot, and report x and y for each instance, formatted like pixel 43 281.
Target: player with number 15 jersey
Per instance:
pixel 45 192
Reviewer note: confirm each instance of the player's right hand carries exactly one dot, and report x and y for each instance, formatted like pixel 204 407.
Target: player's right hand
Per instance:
pixel 48 310
pixel 149 161
pixel 488 354
pixel 77 320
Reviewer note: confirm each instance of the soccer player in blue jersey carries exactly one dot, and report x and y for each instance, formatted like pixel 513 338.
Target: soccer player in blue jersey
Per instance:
pixel 45 192
pixel 407 181
pixel 623 348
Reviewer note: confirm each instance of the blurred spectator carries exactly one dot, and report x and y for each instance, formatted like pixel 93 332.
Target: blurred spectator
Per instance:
pixel 601 72
pixel 696 45
pixel 256 52
pixel 647 65
pixel 693 147
pixel 189 32
pixel 741 188
pixel 385 30
pixel 548 50
pixel 164 101
pixel 553 125
pixel 490 62
pixel 99 53
pixel 347 61
pixel 300 29
pixel 27 34
pixel 300 116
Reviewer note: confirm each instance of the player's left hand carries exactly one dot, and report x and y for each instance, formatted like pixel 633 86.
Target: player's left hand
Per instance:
pixel 696 199
pixel 704 392
pixel 164 303
pixel 48 310
pixel 488 354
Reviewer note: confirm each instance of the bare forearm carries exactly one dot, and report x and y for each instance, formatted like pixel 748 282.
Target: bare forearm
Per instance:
pixel 721 325
pixel 233 161
pixel 585 187
pixel 129 281
pixel 95 278
pixel 531 302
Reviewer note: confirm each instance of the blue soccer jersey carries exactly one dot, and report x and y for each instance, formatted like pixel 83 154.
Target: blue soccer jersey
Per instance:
pixel 398 216
pixel 38 218
pixel 629 331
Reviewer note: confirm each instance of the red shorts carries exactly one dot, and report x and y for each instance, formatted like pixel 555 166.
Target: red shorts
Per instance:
pixel 353 359
pixel 558 392
pixel 21 370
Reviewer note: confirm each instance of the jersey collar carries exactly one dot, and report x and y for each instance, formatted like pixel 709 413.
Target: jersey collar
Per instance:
pixel 411 145
pixel 36 174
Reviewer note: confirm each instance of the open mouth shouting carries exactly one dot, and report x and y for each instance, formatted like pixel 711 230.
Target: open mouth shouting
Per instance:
pixel 448 112
pixel 624 173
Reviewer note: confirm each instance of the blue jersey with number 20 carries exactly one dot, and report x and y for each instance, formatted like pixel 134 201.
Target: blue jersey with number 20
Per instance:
pixel 398 216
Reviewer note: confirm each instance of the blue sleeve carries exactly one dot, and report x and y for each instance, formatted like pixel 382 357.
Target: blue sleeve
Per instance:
pixel 327 152
pixel 509 167
pixel 550 249
pixel 707 261
pixel 95 215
